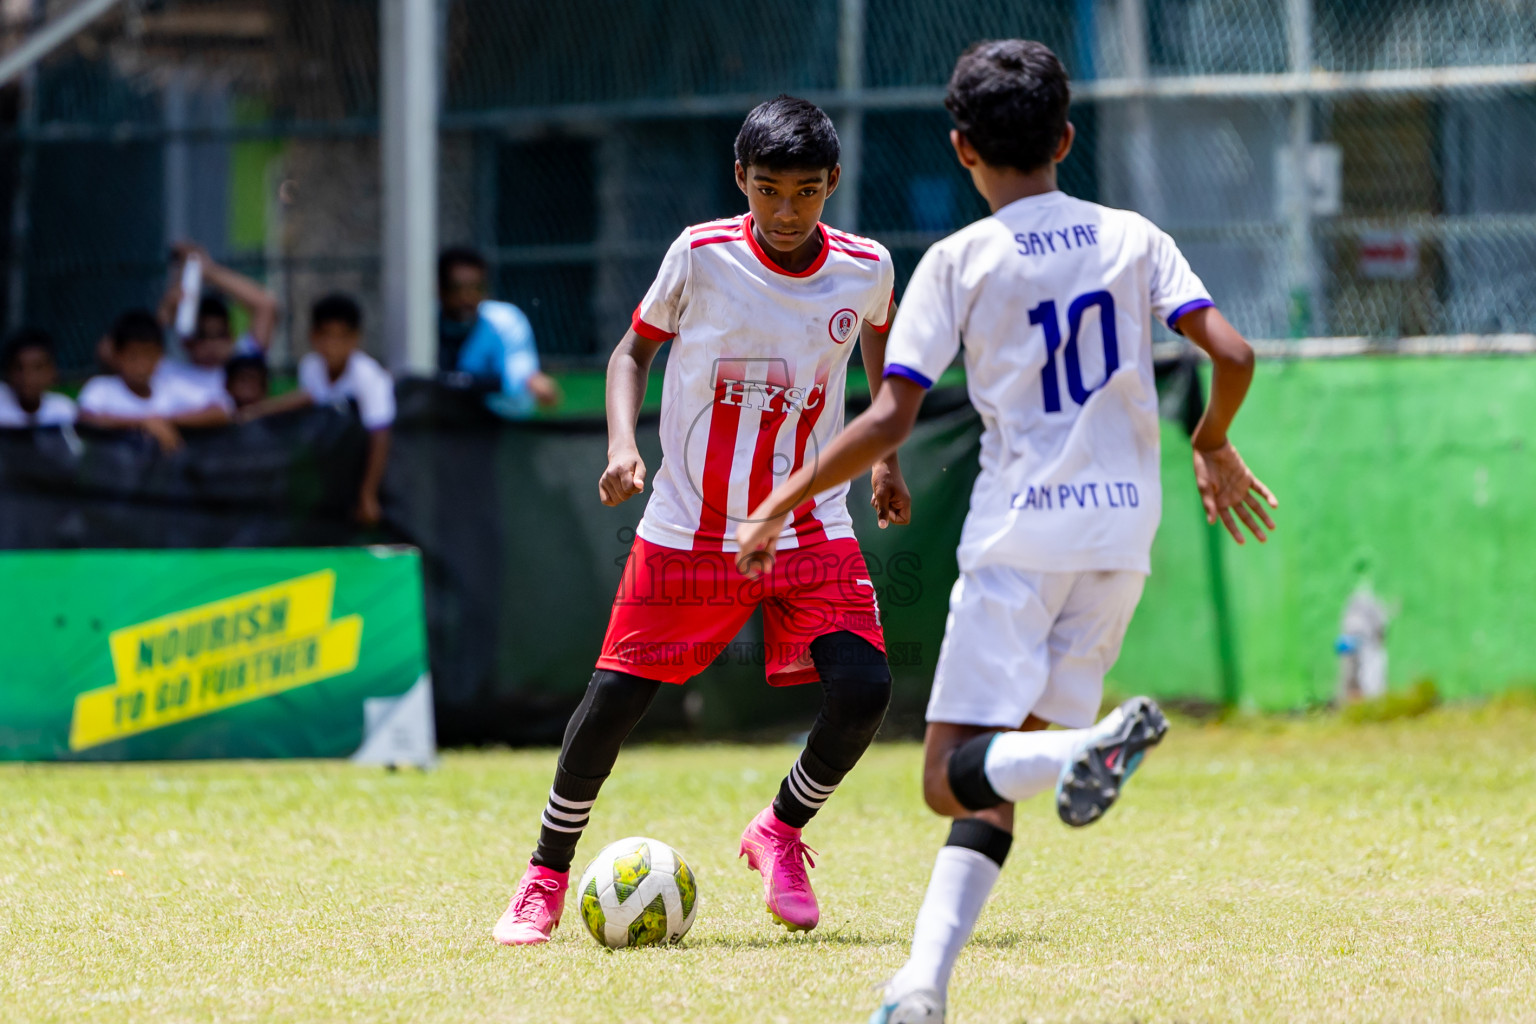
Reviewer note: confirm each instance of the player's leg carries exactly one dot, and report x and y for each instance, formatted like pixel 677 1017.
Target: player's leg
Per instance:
pixel 991 671
pixel 964 872
pixel 856 689
pixel 660 631
pixel 1087 766
pixel 612 706
pixel 976 774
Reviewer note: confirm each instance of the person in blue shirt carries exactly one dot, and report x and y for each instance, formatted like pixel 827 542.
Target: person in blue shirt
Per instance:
pixel 488 339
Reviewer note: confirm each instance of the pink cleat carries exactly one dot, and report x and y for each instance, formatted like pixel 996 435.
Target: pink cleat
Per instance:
pixel 774 849
pixel 535 908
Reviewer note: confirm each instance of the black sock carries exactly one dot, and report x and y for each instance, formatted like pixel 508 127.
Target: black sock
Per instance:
pixel 983 837
pixel 565 818
pixel 807 786
pixel 856 688
pixel 614 703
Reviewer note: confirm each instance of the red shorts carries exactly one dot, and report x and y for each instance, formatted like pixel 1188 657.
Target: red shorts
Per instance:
pixel 677 611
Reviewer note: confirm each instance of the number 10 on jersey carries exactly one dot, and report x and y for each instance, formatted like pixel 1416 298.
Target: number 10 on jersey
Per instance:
pixel 1046 317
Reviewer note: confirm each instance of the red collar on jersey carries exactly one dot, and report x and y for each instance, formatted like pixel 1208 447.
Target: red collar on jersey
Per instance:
pixel 757 250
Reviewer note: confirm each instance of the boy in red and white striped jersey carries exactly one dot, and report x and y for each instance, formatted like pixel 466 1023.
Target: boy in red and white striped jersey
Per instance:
pixel 762 311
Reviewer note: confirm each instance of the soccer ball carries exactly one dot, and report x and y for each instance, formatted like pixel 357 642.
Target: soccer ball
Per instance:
pixel 637 892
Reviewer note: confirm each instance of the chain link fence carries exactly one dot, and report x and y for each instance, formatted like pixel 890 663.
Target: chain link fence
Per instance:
pixel 1332 167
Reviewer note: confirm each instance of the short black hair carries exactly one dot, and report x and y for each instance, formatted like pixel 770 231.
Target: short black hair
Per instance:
pixel 337 308
pixel 137 325
pixel 1009 98
pixel 249 363
pixel 21 340
pixel 213 305
pixel 457 256
pixel 788 134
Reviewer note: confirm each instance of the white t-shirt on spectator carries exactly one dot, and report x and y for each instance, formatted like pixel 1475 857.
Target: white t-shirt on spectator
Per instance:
pixel 54 411
pixel 209 380
pixel 168 396
pixel 363 380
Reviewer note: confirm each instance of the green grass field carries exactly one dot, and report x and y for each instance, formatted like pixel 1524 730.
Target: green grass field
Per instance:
pixel 1267 871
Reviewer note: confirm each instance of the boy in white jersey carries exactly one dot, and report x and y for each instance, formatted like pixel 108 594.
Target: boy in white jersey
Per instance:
pixel 761 311
pixel 1052 299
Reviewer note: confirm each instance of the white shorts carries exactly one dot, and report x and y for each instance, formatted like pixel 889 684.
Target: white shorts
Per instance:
pixel 1019 643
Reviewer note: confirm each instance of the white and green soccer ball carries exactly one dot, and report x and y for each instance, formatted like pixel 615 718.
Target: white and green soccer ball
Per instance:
pixel 637 892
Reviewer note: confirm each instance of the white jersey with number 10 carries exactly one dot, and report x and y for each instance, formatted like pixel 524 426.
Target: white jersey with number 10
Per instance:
pixel 1052 299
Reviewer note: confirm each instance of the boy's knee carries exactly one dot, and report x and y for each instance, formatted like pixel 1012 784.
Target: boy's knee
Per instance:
pixel 855 679
pixel 620 695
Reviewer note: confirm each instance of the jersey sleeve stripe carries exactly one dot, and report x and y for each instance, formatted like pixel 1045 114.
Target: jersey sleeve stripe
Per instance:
pixel 647 331
pixel 898 370
pixel 1188 307
pixel 694 243
pixel 858 253
pixel 722 224
pixel 851 240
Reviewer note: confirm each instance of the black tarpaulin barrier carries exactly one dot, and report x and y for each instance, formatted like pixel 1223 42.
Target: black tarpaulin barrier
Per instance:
pixel 281 482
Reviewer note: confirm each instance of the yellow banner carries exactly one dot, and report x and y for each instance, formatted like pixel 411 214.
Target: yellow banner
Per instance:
pixel 227 652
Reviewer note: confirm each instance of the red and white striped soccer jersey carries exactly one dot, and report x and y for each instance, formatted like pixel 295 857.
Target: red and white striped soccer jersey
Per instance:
pixel 755 380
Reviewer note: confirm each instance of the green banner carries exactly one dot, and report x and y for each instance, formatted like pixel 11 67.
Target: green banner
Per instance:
pixel 127 655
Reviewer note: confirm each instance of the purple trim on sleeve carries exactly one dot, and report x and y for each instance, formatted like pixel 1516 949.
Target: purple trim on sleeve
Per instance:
pixel 1188 307
pixel 897 370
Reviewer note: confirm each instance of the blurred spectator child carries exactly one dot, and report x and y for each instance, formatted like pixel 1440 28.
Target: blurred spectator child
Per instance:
pixel 30 371
pixel 136 399
pixel 337 369
pixel 248 382
pixel 488 339
pixel 212 343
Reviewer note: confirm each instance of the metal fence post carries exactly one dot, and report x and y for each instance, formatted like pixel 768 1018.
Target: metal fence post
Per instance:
pixel 1146 190
pixel 850 83
pixel 1298 193
pixel 408 147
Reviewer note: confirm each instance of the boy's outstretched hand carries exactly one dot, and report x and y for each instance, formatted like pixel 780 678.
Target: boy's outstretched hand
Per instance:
pixel 889 496
pixel 1228 487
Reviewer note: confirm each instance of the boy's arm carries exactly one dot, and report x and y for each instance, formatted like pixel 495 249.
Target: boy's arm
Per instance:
pixel 1227 486
pixel 295 399
pixel 889 496
pixel 369 511
pixel 210 416
pixel 877 432
pixel 162 430
pixel 258 302
pixel 629 369
pixel 107 421
pixel 519 364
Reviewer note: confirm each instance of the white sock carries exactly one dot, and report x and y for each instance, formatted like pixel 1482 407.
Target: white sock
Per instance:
pixel 962 880
pixel 1021 764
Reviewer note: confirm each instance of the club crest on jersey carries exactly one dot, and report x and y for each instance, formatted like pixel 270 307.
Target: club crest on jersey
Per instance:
pixel 842 325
